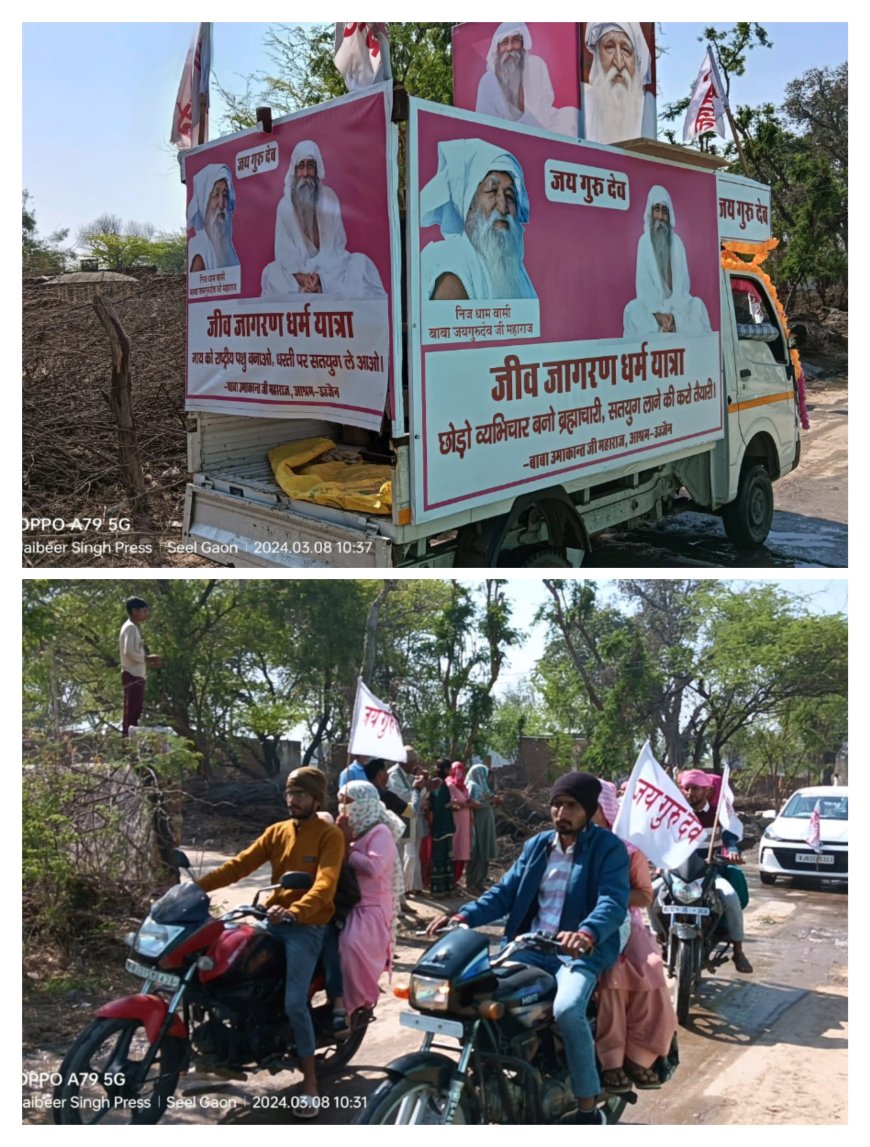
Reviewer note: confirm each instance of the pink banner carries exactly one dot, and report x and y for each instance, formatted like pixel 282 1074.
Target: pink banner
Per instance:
pixel 524 73
pixel 289 266
pixel 556 333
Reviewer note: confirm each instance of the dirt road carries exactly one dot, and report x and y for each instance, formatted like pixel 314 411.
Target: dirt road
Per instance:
pixel 770 1048
pixel 809 521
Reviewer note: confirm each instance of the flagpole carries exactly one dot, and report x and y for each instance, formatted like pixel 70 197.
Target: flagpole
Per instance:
pixel 203 105
pixel 716 823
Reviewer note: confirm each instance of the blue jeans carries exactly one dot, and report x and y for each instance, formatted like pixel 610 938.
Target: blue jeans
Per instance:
pixel 302 947
pixel 575 983
pixel 332 963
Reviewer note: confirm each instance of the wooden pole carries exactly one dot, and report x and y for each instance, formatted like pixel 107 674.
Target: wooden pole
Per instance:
pixel 121 404
pixel 203 112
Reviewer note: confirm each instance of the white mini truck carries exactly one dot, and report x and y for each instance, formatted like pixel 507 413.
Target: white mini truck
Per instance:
pixel 504 431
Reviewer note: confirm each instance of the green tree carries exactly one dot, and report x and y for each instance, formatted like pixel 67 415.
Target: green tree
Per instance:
pixel 761 651
pixel 41 256
pixel 302 72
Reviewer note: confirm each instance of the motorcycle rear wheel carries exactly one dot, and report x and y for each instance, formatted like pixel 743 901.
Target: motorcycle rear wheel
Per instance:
pixel 97 1075
pixel 685 976
pixel 408 1101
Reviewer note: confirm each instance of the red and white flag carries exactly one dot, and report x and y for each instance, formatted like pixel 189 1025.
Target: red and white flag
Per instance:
pixel 814 836
pixel 362 54
pixel 706 111
pixel 189 104
pixel 655 816
pixel 374 731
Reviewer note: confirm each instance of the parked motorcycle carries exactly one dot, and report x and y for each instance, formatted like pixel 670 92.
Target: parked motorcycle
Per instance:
pixel 213 997
pixel 511 1067
pixel 696 939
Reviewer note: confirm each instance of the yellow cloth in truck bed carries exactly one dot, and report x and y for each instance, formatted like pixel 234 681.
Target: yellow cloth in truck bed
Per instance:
pixel 364 486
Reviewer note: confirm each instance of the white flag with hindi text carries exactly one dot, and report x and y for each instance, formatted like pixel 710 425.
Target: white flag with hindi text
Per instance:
pixel 362 54
pixel 189 106
pixel 655 816
pixel 706 110
pixel 374 731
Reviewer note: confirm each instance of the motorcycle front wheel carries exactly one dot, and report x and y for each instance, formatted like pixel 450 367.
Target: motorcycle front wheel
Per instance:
pixel 100 1075
pixel 685 963
pixel 408 1101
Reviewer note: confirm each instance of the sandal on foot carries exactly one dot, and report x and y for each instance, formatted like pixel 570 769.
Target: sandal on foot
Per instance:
pixel 340 1025
pixel 742 964
pixel 615 1081
pixel 643 1078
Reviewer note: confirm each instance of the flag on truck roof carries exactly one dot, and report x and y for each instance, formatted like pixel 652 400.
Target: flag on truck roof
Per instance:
pixel 706 111
pixel 190 117
pixel 362 54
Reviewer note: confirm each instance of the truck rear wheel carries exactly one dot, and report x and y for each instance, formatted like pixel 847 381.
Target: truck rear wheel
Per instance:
pixel 748 518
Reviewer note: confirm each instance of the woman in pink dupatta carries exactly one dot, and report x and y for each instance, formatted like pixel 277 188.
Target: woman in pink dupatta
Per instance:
pixel 367 939
pixel 461 804
pixel 636 1018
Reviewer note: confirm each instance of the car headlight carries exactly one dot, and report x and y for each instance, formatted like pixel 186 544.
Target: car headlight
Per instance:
pixel 430 994
pixel 687 893
pixel 769 834
pixel 153 939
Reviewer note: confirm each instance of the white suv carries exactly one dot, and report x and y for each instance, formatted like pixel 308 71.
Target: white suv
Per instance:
pixel 784 848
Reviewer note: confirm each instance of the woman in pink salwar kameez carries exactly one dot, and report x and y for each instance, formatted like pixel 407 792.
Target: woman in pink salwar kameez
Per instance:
pixel 367 939
pixel 636 1019
pixel 462 805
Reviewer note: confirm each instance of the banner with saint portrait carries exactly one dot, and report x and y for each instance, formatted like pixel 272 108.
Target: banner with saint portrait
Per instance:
pixel 292 266
pixel 564 310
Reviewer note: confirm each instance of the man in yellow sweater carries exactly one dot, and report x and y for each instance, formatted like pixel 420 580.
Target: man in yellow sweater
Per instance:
pixel 304 843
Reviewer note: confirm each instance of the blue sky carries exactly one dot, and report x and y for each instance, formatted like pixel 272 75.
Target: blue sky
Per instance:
pixel 98 101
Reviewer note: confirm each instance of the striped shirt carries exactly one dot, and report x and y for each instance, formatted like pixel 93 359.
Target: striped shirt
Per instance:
pixel 554 885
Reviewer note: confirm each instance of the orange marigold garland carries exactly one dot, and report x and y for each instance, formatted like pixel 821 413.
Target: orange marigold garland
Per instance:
pixel 732 261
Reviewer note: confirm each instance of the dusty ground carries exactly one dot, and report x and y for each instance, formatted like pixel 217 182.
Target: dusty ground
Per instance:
pixel 770 1049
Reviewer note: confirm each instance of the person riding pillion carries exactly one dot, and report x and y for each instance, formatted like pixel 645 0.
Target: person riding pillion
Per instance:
pixel 573 882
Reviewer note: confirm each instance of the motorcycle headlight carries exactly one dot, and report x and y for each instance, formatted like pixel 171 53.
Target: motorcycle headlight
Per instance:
pixel 429 994
pixel 687 893
pixel 153 939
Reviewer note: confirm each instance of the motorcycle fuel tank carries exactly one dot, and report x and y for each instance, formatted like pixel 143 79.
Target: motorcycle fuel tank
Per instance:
pixel 527 994
pixel 244 953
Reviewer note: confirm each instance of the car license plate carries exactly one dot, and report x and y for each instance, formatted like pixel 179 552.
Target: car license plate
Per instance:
pixel 673 909
pixel 812 858
pixel 431 1024
pixel 165 979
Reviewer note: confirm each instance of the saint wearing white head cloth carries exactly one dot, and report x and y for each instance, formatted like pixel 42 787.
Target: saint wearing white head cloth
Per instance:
pixel 664 303
pixel 616 106
pixel 311 255
pixel 516 85
pixel 210 214
pixel 478 198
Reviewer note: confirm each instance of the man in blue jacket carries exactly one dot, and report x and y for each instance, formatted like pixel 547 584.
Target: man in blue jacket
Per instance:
pixel 572 882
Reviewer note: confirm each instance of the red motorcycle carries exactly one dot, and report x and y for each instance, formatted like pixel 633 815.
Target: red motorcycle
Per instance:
pixel 213 998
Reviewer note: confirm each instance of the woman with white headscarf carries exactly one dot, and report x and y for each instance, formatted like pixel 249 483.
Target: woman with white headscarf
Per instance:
pixel 636 1019
pixel 367 940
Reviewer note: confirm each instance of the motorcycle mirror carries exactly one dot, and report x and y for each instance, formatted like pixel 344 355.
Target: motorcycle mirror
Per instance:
pixel 179 859
pixel 299 881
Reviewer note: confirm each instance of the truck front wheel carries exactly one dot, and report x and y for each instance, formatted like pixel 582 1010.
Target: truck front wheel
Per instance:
pixel 748 518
